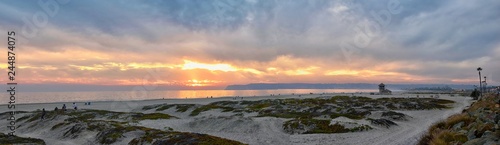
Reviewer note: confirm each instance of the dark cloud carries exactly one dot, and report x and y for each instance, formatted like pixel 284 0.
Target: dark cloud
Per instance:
pixel 203 14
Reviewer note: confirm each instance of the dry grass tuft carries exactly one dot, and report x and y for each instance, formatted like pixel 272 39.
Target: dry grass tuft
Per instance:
pixel 445 137
pixel 442 133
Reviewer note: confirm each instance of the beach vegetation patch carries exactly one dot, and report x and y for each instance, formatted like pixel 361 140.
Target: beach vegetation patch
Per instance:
pixel 109 136
pixel 77 123
pixel 340 98
pixel 59 125
pixel 475 125
pixel 159 137
pixel 382 122
pixel 259 106
pixel 348 115
pixel 314 126
pixel 394 115
pixel 152 106
pixel 7 140
pixel 183 107
pixel 165 107
pixel 284 114
pixel 210 107
pixel 25 117
pixel 152 116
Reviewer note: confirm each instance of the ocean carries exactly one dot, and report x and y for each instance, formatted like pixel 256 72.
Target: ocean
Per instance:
pixel 51 97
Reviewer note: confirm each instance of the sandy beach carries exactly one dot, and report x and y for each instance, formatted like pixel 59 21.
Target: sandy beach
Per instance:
pixel 127 106
pixel 244 127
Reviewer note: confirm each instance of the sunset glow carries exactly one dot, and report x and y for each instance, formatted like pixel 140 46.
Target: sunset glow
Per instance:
pixel 194 83
pixel 254 44
pixel 188 65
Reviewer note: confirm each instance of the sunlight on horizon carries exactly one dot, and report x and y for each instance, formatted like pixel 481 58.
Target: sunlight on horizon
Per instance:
pixel 188 65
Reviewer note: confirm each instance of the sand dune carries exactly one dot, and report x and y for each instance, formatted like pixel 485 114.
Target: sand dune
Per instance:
pixel 244 127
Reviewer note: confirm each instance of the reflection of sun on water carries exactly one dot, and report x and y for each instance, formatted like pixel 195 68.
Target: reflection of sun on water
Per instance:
pixel 199 83
pixel 196 83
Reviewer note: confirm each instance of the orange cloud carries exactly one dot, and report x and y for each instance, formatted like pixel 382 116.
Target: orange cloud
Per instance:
pixel 84 66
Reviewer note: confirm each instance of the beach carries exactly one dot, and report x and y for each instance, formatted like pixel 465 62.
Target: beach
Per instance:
pixel 246 126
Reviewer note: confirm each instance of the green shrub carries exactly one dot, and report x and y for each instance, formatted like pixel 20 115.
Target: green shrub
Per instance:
pixel 152 116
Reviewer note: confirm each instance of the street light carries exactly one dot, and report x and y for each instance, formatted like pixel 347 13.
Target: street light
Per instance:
pixel 485 84
pixel 479 69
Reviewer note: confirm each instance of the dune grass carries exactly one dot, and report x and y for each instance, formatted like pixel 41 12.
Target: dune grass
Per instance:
pixel 110 131
pixel 9 140
pixel 210 107
pixel 443 133
pixel 152 116
pixel 446 137
pixel 315 126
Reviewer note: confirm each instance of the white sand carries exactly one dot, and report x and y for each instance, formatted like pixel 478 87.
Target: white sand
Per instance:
pixel 252 130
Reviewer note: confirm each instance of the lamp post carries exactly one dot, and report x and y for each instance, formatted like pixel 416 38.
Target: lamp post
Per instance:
pixel 479 69
pixel 484 85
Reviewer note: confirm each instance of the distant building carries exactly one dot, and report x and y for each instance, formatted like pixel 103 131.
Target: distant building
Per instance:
pixel 382 90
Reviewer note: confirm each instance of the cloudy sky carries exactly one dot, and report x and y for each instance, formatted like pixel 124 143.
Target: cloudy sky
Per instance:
pixel 216 43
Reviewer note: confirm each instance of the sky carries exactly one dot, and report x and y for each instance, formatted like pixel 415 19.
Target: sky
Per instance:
pixel 223 42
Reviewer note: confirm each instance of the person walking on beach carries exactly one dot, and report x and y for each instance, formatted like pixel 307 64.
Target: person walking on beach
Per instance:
pixel 63 107
pixel 74 106
pixel 43 113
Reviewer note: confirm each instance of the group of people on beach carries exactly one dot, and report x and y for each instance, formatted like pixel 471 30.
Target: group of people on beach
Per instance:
pixel 63 109
pixel 236 97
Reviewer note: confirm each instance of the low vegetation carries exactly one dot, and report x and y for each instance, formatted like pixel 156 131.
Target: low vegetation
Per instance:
pixel 395 115
pixel 475 124
pixel 311 126
pixel 351 107
pixel 8 140
pixel 111 127
pixel 210 107
pixel 382 122
pixel 159 137
pixel 152 116
pixel 302 111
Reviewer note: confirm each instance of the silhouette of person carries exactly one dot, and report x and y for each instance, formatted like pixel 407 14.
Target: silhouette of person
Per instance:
pixel 64 107
pixel 43 113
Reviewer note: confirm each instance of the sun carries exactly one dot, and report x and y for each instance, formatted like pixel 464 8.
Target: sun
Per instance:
pixel 201 83
pixel 195 83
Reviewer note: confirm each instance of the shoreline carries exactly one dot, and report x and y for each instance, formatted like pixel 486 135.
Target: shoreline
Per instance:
pixel 397 92
pixel 99 96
